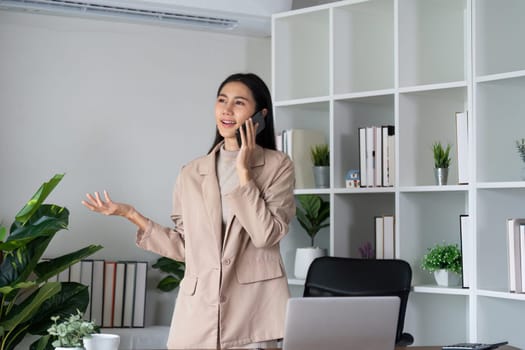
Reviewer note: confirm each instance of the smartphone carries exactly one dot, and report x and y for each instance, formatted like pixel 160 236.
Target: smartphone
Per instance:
pixel 257 118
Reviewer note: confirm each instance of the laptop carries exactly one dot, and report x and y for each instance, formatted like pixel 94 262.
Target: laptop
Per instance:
pixel 341 323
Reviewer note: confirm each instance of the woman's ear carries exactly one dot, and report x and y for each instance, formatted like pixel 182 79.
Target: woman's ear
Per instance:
pixel 264 112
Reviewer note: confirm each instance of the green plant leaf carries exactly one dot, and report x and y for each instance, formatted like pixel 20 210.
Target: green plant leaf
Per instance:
pixel 48 219
pixel 3 233
pixel 168 283
pixel 168 265
pixel 38 198
pixel 72 296
pixel 47 269
pixel 27 310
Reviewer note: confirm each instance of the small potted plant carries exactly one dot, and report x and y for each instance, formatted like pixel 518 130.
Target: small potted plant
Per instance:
pixel 312 214
pixel 69 334
pixel 444 260
pixel 320 155
pixel 441 162
pixel 520 146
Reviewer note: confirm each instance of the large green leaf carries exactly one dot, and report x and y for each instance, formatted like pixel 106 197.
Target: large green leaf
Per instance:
pixel 20 263
pixel 47 220
pixel 38 198
pixel 168 283
pixel 72 296
pixel 46 269
pixel 27 310
pixel 169 265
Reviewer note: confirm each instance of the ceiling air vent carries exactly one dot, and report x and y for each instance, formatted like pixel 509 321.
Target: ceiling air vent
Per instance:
pixel 82 8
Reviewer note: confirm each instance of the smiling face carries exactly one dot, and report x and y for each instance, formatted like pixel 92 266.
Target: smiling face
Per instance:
pixel 234 105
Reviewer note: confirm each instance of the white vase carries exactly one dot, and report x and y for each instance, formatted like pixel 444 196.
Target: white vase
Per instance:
pixel 446 278
pixel 303 259
pixel 102 341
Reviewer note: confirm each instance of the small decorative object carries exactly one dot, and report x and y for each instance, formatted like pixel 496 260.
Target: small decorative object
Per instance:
pixel 174 269
pixel 320 155
pixel 312 213
pixel 69 334
pixel 366 251
pixel 520 145
pixel 445 262
pixel 352 179
pixel 441 162
pixel 102 341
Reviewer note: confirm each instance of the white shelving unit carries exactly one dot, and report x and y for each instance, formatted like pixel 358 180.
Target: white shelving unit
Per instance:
pixel 413 64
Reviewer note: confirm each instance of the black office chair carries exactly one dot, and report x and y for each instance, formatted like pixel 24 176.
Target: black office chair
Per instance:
pixel 333 276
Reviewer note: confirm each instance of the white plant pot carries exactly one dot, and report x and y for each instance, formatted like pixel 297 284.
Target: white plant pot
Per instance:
pixel 102 341
pixel 446 278
pixel 303 259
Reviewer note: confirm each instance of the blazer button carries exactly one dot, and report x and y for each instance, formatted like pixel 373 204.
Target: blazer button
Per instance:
pixel 227 261
pixel 222 299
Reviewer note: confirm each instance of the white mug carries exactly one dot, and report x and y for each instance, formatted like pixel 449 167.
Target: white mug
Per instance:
pixel 102 341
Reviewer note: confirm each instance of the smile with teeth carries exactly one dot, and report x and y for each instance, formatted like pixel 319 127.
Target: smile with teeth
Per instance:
pixel 229 122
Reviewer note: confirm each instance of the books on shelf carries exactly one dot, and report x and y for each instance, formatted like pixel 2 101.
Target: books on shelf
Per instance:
pixel 296 143
pixel 462 142
pixel 117 291
pixel 385 237
pixel 516 254
pixel 140 294
pixel 86 278
pixel 466 249
pixel 377 156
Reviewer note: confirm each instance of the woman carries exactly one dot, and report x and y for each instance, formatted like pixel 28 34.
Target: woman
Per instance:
pixel 231 208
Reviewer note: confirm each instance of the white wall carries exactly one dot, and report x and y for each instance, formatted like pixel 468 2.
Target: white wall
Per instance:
pixel 116 106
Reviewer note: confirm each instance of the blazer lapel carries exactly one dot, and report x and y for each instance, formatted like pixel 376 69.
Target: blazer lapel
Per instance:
pixel 211 195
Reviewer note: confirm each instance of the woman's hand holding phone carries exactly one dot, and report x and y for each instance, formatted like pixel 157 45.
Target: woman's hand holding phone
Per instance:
pixel 246 136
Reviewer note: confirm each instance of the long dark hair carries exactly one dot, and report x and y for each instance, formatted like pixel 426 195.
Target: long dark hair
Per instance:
pixel 263 99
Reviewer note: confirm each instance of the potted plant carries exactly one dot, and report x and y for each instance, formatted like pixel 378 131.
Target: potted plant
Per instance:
pixel 444 260
pixel 28 299
pixel 520 146
pixel 320 155
pixel 69 334
pixel 312 214
pixel 441 162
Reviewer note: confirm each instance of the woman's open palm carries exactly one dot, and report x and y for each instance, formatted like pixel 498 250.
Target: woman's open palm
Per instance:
pixel 106 206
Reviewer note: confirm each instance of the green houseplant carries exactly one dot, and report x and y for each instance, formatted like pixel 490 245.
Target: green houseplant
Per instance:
pixel 70 332
pixel 441 155
pixel 320 155
pixel 174 269
pixel 520 146
pixel 312 214
pixel 441 162
pixel 441 258
pixel 28 300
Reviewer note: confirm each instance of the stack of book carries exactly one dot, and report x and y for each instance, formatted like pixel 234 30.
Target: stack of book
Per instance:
pixel 377 156
pixel 117 291
pixel 385 237
pixel 516 254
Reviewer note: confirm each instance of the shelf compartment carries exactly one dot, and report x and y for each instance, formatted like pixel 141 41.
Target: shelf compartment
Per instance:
pixel 432 41
pixel 500 122
pixel 431 318
pixel 354 220
pixel 499 29
pixel 364 46
pixel 494 207
pixel 499 320
pixel 433 219
pixel 424 118
pixel 301 69
pixel 349 116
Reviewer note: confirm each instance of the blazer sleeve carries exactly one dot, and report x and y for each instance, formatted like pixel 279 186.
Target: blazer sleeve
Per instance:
pixel 165 241
pixel 266 214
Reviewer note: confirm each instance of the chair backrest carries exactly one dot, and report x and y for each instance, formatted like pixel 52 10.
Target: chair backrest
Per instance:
pixel 334 276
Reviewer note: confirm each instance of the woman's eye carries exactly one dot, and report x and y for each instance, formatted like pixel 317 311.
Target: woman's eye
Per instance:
pixel 240 103
pixel 221 100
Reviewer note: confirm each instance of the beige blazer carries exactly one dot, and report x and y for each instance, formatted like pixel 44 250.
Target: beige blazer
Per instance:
pixel 236 285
